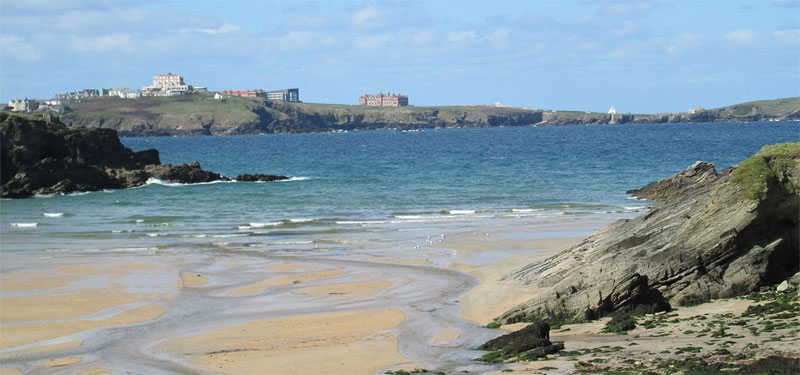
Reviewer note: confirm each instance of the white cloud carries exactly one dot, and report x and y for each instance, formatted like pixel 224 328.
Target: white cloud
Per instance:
pixel 366 18
pixel 224 29
pixel 741 36
pixel 104 43
pixel 15 48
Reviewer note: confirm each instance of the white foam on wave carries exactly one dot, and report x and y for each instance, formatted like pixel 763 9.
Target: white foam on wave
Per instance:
pixel 634 208
pixel 157 181
pixel 24 225
pixel 636 198
pixel 299 178
pixel 140 220
pixel 53 214
pixel 78 193
pixel 409 217
pixel 264 225
pixel 301 220
pixel 228 235
pixel 363 222
pixel 461 212
pixel 526 210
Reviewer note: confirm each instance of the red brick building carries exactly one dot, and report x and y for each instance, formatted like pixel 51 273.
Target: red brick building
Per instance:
pixel 383 100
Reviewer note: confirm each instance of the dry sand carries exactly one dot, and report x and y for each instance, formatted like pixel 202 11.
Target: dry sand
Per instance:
pixel 61 306
pixel 351 342
pixel 22 334
pixel 58 362
pixel 493 296
pixel 15 282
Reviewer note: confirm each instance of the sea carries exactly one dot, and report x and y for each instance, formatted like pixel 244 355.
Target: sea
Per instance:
pixel 358 191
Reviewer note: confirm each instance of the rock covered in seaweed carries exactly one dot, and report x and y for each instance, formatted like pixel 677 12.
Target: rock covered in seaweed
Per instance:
pixel 720 237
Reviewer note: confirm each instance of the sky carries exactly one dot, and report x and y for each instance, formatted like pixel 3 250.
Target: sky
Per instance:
pixel 639 56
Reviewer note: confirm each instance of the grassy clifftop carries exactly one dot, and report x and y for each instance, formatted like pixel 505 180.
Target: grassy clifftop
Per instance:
pixel 200 114
pixel 763 110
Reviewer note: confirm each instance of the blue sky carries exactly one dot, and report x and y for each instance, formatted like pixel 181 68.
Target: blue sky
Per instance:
pixel 640 56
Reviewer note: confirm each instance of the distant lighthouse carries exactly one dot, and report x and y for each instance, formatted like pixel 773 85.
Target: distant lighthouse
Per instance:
pixel 612 112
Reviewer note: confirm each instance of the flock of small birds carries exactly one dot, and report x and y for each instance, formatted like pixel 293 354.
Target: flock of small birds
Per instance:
pixel 430 241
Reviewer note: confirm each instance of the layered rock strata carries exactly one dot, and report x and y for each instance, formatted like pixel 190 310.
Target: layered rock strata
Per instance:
pixel 714 236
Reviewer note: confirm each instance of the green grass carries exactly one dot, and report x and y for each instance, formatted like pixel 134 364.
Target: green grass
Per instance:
pixel 775 107
pixel 756 172
pixel 621 324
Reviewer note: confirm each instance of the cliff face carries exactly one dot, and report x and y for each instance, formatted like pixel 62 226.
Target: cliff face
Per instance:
pixel 44 156
pixel 724 235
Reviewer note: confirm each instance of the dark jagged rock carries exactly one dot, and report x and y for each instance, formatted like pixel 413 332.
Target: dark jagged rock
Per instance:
pixel 44 156
pixel 184 173
pixel 720 237
pixel 259 178
pixel 698 173
pixel 533 340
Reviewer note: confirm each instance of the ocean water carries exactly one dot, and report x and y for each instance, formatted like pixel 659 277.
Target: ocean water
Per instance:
pixel 377 189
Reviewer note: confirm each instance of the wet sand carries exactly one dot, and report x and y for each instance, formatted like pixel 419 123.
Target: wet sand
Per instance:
pixel 248 313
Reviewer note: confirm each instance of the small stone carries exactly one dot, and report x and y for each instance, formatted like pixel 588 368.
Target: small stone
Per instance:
pixel 782 287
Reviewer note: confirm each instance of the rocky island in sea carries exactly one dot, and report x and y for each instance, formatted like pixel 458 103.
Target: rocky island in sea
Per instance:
pixel 44 156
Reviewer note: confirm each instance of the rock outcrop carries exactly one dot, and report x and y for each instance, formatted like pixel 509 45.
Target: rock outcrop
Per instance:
pixel 530 342
pixel 699 173
pixel 715 236
pixel 44 156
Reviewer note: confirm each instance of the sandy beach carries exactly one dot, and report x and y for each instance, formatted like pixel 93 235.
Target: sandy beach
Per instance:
pixel 245 313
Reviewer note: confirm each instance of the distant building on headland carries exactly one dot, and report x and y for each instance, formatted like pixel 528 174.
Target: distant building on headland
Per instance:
pixel 257 93
pixel 383 100
pixel 125 93
pixel 612 111
pixel 287 95
pixel 695 110
pixel 23 105
pixel 166 85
